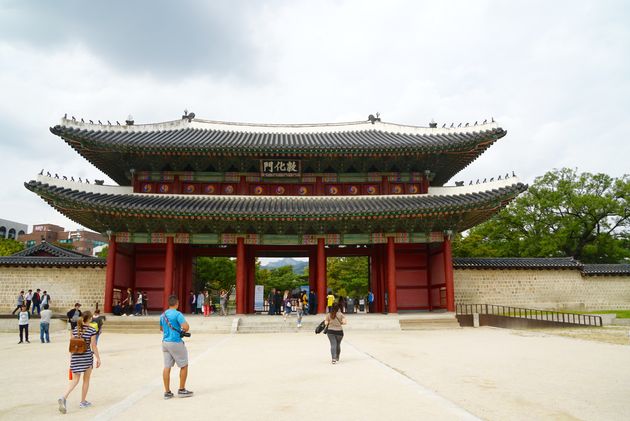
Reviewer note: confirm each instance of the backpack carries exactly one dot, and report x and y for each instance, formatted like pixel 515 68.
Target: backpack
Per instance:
pixel 77 345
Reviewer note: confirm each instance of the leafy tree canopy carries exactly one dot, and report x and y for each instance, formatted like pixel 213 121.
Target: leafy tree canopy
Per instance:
pixel 282 278
pixel 563 214
pixel 214 273
pixel 9 246
pixel 348 276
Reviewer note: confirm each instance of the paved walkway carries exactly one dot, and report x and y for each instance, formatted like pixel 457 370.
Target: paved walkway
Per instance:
pixel 470 373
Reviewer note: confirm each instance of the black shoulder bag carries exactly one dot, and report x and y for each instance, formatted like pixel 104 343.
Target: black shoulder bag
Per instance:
pixel 182 334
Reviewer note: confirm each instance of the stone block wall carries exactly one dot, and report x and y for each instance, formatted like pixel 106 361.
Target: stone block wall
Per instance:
pixel 66 286
pixel 548 289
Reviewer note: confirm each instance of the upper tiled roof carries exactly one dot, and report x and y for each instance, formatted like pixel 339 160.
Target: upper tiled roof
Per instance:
pixel 48 255
pixel 516 263
pixel 606 269
pixel 151 147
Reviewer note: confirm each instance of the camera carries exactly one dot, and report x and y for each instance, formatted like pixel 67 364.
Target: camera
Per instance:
pixel 183 334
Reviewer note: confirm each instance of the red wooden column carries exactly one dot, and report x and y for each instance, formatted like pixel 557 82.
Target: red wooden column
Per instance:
pixel 240 275
pixel 109 275
pixel 321 276
pixel 391 275
pixel 448 274
pixel 168 270
pixel 312 269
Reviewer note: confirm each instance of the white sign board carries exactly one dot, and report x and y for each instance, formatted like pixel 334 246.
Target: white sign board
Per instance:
pixel 259 291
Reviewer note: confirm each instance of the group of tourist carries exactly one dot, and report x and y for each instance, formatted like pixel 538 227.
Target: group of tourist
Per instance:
pixel 134 304
pixel 84 334
pixel 201 302
pixel 86 328
pixel 32 301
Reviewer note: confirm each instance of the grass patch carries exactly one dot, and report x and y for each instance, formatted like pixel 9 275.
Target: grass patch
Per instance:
pixel 621 314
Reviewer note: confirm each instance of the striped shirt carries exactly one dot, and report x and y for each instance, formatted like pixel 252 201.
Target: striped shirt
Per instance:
pixel 79 363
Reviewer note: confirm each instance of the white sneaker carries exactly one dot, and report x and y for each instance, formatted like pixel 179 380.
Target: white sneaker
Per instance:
pixel 124 314
pixel 300 325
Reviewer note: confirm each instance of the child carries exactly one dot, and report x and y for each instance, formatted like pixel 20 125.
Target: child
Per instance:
pixel 23 318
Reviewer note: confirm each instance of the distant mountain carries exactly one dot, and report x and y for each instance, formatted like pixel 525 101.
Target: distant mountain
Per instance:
pixel 298 265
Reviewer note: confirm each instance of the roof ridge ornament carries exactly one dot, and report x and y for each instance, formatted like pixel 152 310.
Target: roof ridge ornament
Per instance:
pixel 373 119
pixel 188 116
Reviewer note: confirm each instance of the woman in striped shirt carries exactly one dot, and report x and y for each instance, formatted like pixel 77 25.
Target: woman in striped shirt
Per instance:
pixel 82 363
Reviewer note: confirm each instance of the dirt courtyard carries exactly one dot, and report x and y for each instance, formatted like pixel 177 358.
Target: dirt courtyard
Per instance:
pixel 468 373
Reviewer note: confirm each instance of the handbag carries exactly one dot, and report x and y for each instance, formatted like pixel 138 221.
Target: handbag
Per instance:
pixel 77 345
pixel 321 327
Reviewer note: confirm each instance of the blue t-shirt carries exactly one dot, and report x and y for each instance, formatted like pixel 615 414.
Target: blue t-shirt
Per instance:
pixel 176 319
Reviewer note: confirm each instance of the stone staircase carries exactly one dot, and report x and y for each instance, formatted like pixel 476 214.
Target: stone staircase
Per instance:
pixel 252 323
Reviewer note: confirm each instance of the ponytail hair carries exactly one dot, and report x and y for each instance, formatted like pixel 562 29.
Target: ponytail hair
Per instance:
pixel 83 321
pixel 333 311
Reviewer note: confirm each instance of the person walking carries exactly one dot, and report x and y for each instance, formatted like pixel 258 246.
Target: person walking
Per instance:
pixel 36 302
pixel 335 321
pixel 370 299
pixel 286 303
pixel 23 319
pixel 82 363
pixel 270 299
pixel 304 300
pixel 172 324
pixel 330 299
pixel 44 324
pixel 300 310
pixel 138 307
pixel 45 299
pixel 312 302
pixel 128 303
pixel 223 297
pixel 145 304
pixel 74 315
pixel 200 300
pixel 207 301
pixel 29 299
pixel 277 302
pixel 191 300
pixel 20 302
pixel 97 323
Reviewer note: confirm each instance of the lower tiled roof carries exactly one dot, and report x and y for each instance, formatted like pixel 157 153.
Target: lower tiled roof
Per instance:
pixel 606 269
pixel 101 211
pixel 46 254
pixel 540 263
pixel 516 263
pixel 47 261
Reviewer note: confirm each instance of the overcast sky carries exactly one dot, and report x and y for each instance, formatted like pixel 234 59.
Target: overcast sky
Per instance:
pixel 555 74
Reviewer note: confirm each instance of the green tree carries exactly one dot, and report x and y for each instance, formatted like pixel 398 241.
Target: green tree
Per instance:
pixel 564 213
pixel 103 253
pixel 214 273
pixel 282 278
pixel 9 247
pixel 348 276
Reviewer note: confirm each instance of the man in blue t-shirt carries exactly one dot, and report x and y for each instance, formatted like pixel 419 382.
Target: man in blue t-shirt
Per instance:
pixel 172 323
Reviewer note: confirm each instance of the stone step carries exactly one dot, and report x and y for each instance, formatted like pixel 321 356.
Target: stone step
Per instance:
pixel 429 324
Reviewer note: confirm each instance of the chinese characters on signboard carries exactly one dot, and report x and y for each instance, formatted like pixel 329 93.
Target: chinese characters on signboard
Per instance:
pixel 280 167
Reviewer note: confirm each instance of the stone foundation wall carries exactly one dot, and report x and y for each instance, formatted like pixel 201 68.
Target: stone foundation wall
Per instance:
pixel 542 289
pixel 66 286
